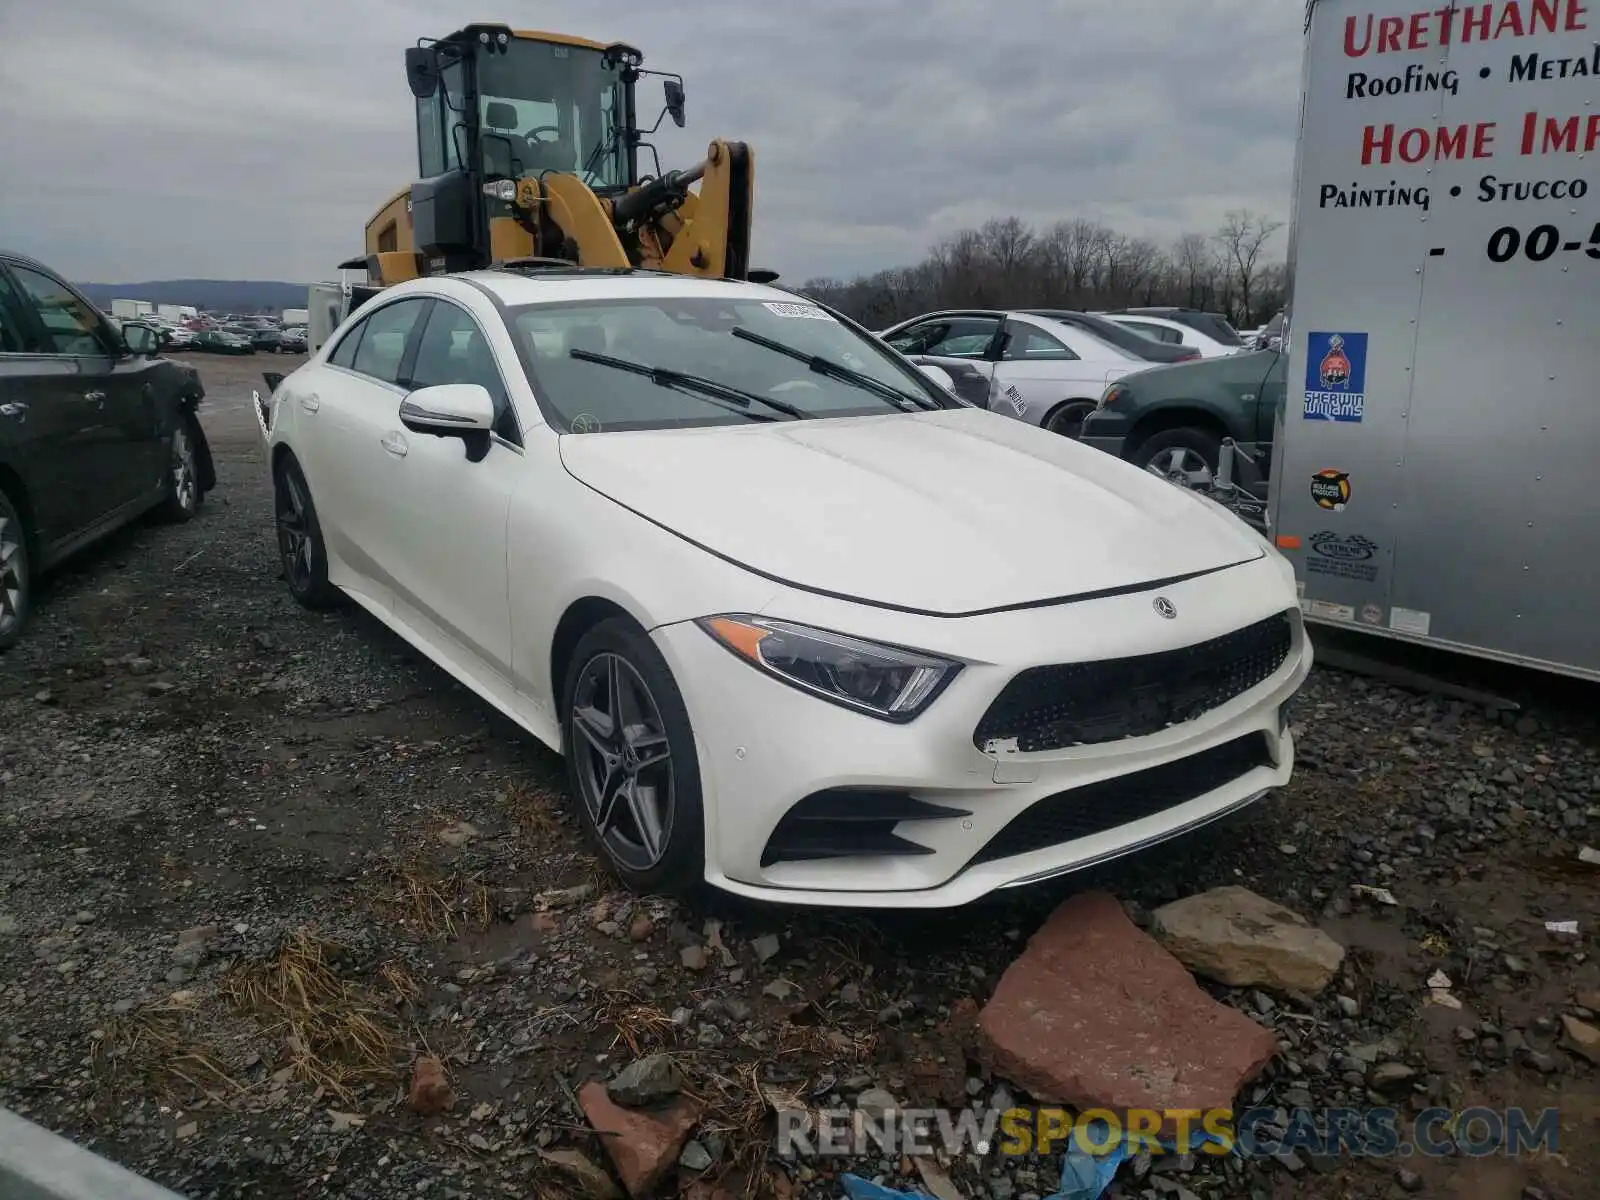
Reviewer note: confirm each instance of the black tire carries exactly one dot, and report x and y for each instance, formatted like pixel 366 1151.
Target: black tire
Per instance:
pixel 678 863
pixel 1173 443
pixel 1067 418
pixel 184 493
pixel 16 575
pixel 301 550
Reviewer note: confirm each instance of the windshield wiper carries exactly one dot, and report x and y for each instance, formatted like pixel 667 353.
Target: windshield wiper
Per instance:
pixel 736 398
pixel 834 370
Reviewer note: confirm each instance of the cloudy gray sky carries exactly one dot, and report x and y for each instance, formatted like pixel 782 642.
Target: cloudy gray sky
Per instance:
pixel 195 138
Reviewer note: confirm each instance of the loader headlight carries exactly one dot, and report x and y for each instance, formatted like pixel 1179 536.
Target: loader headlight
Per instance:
pixel 501 189
pixel 887 682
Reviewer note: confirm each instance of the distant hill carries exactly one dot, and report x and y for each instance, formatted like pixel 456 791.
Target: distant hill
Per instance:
pixel 212 295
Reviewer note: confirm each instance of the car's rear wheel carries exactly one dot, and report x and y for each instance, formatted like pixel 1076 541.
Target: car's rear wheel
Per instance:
pixel 631 763
pixel 16 581
pixel 1067 419
pixel 184 496
pixel 300 544
pixel 1186 456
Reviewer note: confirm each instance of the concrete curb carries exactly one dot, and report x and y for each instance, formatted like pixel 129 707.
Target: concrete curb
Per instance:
pixel 36 1164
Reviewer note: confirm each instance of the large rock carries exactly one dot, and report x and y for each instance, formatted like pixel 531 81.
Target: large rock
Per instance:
pixel 644 1144
pixel 1095 1014
pixel 1236 937
pixel 646 1081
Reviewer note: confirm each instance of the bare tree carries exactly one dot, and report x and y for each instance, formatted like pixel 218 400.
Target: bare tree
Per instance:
pixel 1074 263
pixel 1242 238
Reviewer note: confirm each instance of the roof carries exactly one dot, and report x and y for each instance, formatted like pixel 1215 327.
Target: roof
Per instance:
pixel 555 284
pixel 562 39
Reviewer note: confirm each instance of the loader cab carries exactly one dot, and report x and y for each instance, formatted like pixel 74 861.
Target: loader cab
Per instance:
pixel 494 105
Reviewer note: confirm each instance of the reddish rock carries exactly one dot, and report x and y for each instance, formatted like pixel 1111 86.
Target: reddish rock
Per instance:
pixel 1095 1014
pixel 431 1093
pixel 545 922
pixel 644 1144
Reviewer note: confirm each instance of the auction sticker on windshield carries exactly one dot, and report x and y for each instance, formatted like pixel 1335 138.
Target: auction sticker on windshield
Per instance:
pixel 810 311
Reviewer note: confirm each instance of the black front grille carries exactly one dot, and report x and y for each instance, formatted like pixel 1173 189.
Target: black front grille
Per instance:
pixel 1097 807
pixel 1081 704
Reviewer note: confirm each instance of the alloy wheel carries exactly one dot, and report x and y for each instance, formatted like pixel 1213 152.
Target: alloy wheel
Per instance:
pixel 1182 466
pixel 1068 422
pixel 296 543
pixel 185 486
pixel 624 761
pixel 12 584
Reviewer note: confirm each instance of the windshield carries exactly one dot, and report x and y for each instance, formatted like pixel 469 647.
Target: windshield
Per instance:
pixel 549 107
pixel 695 336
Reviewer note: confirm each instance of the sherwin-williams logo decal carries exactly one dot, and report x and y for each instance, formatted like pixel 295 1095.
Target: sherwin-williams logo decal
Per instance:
pixel 1336 377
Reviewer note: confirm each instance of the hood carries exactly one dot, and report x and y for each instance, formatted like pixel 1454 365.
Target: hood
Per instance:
pixel 950 513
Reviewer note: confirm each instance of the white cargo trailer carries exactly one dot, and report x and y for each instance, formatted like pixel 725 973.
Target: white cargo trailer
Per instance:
pixel 1432 463
pixel 296 316
pixel 127 310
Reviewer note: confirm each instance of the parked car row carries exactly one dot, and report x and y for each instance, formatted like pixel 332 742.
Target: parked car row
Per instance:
pixel 1159 387
pixel 904 653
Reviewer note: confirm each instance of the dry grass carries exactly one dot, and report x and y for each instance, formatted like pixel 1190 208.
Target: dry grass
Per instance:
pixel 151 1050
pixel 537 813
pixel 736 1110
pixel 640 1026
pixel 431 904
pixel 336 1034
pixel 827 1043
pixel 399 981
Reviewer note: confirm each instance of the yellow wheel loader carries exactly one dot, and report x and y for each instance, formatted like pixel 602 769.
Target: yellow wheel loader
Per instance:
pixel 528 148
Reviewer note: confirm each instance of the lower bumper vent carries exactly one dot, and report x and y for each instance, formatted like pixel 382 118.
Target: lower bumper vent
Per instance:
pixel 850 823
pixel 1097 807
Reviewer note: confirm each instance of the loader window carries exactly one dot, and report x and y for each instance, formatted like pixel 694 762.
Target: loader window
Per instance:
pixel 549 107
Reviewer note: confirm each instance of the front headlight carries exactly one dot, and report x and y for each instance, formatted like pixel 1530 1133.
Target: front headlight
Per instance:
pixel 1113 395
pixel 883 681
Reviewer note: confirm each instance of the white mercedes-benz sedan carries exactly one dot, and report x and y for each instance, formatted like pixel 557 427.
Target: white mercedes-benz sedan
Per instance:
pixel 804 624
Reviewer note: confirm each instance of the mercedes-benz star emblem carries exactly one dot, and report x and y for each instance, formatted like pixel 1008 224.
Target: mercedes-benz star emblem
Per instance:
pixel 1166 608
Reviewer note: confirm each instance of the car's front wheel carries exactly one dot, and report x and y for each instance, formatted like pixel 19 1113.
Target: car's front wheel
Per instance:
pixel 15 580
pixel 631 764
pixel 1185 456
pixel 1067 419
pixel 300 545
pixel 183 473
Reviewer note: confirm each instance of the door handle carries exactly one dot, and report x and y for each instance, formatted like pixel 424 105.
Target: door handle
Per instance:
pixel 96 398
pixel 395 444
pixel 310 402
pixel 15 408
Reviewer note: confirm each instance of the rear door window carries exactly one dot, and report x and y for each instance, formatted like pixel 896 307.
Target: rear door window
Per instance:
pixel 383 340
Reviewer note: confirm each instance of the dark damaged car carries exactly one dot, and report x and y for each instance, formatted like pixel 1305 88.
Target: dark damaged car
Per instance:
pixel 96 430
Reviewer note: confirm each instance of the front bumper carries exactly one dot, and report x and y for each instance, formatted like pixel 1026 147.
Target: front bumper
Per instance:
pixel 764 747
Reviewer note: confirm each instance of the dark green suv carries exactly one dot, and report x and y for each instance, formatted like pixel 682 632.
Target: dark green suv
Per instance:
pixel 1173 418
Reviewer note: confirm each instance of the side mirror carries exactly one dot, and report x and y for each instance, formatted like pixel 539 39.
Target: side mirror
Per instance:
pixel 141 340
pixel 939 375
pixel 674 91
pixel 422 71
pixel 448 408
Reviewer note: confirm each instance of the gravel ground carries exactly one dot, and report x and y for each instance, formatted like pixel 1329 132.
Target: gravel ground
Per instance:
pixel 259 860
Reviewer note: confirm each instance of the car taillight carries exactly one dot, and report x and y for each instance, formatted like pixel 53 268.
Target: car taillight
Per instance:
pixel 1190 356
